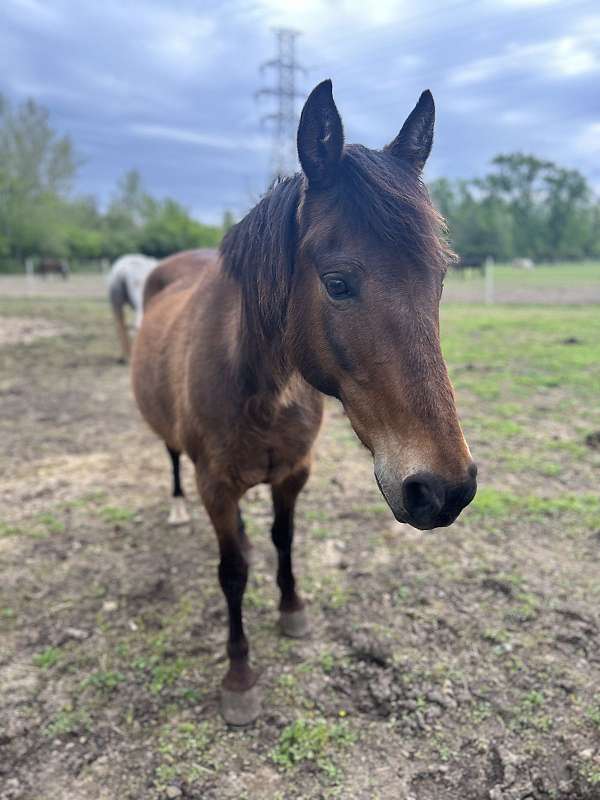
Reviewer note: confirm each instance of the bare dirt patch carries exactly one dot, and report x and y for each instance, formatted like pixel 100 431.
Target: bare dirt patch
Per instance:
pixel 23 330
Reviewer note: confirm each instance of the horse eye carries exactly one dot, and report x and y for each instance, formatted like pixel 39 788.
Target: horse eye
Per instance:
pixel 337 287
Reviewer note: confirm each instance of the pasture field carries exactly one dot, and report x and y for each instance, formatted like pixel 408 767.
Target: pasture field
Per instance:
pixel 462 664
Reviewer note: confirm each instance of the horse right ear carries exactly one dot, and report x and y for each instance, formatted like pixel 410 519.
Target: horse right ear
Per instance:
pixel 320 137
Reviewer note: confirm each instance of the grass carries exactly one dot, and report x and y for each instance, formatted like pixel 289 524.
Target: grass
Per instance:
pixel 47 658
pixel 503 351
pixel 491 503
pixel 544 276
pixel 68 721
pixel 105 681
pixel 182 749
pixel 312 740
pixel 116 514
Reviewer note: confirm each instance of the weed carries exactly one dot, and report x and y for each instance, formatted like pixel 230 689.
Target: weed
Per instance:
pixel 182 748
pixel 115 514
pixel 47 658
pixel 68 721
pixel 104 681
pixel 311 740
pixel 166 674
pixel 593 713
pixel 50 523
pixel 7 529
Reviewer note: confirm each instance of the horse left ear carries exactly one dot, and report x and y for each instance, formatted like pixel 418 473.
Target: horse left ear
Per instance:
pixel 320 137
pixel 413 143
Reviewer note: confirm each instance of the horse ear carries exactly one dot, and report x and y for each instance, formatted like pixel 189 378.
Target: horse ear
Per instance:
pixel 413 143
pixel 320 137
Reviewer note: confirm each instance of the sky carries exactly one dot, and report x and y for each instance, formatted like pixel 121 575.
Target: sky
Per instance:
pixel 169 87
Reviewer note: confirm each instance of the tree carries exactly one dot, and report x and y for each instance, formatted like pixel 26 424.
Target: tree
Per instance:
pixel 170 228
pixel 524 207
pixel 37 166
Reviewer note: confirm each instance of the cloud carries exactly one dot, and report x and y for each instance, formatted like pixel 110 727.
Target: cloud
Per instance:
pixel 33 13
pixel 186 136
pixel 563 57
pixel 169 87
pixel 588 139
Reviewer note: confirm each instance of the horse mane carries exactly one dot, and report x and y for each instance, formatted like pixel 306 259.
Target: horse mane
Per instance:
pixel 259 252
pixel 375 193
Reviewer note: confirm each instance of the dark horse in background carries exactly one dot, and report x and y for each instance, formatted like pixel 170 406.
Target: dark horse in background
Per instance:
pixel 330 285
pixel 51 266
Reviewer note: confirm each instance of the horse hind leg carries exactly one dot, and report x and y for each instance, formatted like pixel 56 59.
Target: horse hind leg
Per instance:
pixel 293 620
pixel 178 514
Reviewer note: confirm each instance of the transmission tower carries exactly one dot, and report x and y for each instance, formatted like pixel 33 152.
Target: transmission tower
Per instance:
pixel 284 120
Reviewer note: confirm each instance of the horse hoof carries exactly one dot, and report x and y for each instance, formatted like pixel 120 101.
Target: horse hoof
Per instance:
pixel 240 708
pixel 294 623
pixel 179 513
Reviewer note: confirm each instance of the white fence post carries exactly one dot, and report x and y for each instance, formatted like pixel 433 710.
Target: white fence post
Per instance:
pixel 29 270
pixel 489 281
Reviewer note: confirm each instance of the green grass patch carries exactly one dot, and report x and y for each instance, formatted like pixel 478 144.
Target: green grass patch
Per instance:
pixel 115 514
pixel 8 529
pixel 68 722
pixel 51 523
pixel 499 504
pixel 104 681
pixel 312 740
pixel 165 675
pixel 592 713
pixel 183 750
pixel 47 658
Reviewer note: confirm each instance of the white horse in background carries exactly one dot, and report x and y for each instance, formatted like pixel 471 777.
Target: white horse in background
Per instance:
pixel 126 281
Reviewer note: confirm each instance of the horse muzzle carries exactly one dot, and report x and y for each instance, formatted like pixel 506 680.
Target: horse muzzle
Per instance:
pixel 425 500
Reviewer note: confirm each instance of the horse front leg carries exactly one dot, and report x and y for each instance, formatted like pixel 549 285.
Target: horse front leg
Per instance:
pixel 293 620
pixel 240 697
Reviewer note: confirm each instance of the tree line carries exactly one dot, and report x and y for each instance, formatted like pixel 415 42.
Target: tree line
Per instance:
pixel 524 207
pixel 40 216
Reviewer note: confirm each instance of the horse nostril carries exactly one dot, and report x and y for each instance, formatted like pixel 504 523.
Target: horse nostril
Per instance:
pixel 423 496
pixel 472 471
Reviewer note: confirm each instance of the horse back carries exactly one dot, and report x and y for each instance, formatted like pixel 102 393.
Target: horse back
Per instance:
pixel 181 269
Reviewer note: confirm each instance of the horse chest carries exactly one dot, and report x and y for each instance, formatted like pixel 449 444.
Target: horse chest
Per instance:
pixel 270 454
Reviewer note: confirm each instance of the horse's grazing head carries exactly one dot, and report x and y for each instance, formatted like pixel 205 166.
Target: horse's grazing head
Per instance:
pixel 363 307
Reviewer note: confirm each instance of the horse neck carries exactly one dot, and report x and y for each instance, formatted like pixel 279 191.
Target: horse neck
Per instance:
pixel 264 372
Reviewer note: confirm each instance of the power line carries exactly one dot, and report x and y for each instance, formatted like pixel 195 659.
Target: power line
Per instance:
pixel 284 120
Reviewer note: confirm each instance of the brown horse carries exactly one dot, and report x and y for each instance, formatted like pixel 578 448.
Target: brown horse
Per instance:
pixel 52 266
pixel 331 284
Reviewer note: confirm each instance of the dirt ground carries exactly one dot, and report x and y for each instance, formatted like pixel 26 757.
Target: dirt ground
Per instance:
pixel 458 665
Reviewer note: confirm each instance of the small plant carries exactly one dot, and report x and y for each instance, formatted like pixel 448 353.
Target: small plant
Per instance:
pixel 51 523
pixel 115 514
pixel 312 741
pixel 327 663
pixel 9 530
pixel 183 748
pixel 104 681
pixel 68 721
pixel 47 658
pixel 164 675
pixel 593 713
